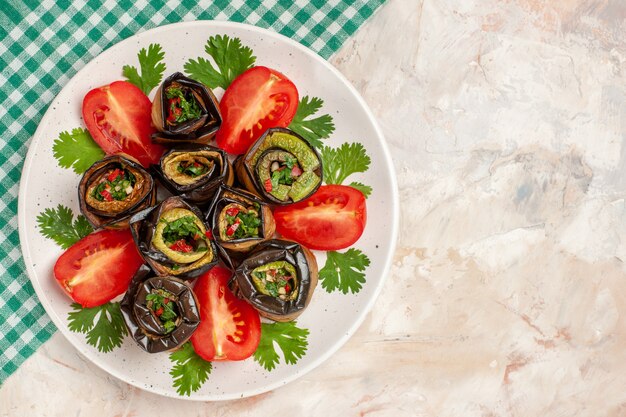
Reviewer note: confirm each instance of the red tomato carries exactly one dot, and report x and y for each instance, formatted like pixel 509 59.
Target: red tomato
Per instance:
pixel 98 267
pixel 118 116
pixel 256 100
pixel 230 328
pixel 332 218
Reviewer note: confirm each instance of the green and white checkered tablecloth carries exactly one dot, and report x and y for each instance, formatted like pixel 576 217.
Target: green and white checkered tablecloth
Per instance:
pixel 43 43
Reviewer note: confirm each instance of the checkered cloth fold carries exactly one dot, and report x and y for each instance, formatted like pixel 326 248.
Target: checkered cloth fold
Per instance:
pixel 44 43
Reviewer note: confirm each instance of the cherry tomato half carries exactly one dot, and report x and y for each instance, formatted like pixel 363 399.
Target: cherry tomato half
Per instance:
pixel 333 218
pixel 118 117
pixel 256 100
pixel 98 267
pixel 230 328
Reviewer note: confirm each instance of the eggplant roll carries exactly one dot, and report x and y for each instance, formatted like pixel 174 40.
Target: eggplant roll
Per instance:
pixel 172 238
pixel 278 279
pixel 194 172
pixel 184 110
pixel 239 220
pixel 161 313
pixel 281 167
pixel 112 190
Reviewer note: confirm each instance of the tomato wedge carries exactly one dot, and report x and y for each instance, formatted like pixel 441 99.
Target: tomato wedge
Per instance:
pixel 230 328
pixel 256 100
pixel 118 118
pixel 98 267
pixel 333 218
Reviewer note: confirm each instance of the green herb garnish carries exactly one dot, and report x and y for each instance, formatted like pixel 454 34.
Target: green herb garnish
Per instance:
pixel 289 338
pixel 312 129
pixel 182 228
pixel 152 68
pixel 117 185
pixel 340 162
pixel 190 370
pixel 103 325
pixel 162 304
pixel 283 175
pixel 193 169
pixel 59 225
pixel 76 150
pixel 182 107
pixel 230 57
pixel 344 271
pixel 365 189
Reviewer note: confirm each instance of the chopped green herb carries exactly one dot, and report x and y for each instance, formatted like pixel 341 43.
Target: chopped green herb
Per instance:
pixel 230 57
pixel 193 169
pixel 59 225
pixel 289 338
pixel 312 129
pixel 365 189
pixel 182 228
pixel 344 271
pixel 152 68
pixel 117 185
pixel 76 150
pixel 103 325
pixel 182 105
pixel 190 370
pixel 162 304
pixel 340 162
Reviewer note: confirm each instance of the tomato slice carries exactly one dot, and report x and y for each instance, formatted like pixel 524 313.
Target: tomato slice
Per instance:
pixel 256 100
pixel 230 328
pixel 118 117
pixel 98 267
pixel 332 218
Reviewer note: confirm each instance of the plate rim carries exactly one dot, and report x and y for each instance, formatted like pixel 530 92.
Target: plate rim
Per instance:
pixel 340 342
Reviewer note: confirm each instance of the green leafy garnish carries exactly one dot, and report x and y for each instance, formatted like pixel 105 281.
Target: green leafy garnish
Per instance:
pixel 181 228
pixel 190 371
pixel 365 189
pixel 184 107
pixel 59 225
pixel 192 169
pixel 312 129
pixel 344 271
pixel 230 57
pixel 103 325
pixel 161 303
pixel 76 150
pixel 291 340
pixel 152 68
pixel 340 162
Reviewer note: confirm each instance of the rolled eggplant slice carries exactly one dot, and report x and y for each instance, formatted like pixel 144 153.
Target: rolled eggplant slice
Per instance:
pixel 194 172
pixel 281 167
pixel 112 190
pixel 278 279
pixel 184 110
pixel 239 220
pixel 161 313
pixel 172 238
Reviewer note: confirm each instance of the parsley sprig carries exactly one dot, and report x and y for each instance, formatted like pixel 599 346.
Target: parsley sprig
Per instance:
pixel 190 370
pixel 152 68
pixel 339 163
pixel 230 57
pixel 103 325
pixel 59 225
pixel 76 150
pixel 288 337
pixel 344 271
pixel 313 129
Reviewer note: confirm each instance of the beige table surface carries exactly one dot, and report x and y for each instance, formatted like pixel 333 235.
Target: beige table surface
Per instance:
pixel 506 120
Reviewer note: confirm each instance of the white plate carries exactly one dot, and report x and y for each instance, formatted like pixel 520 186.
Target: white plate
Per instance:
pixel 331 317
